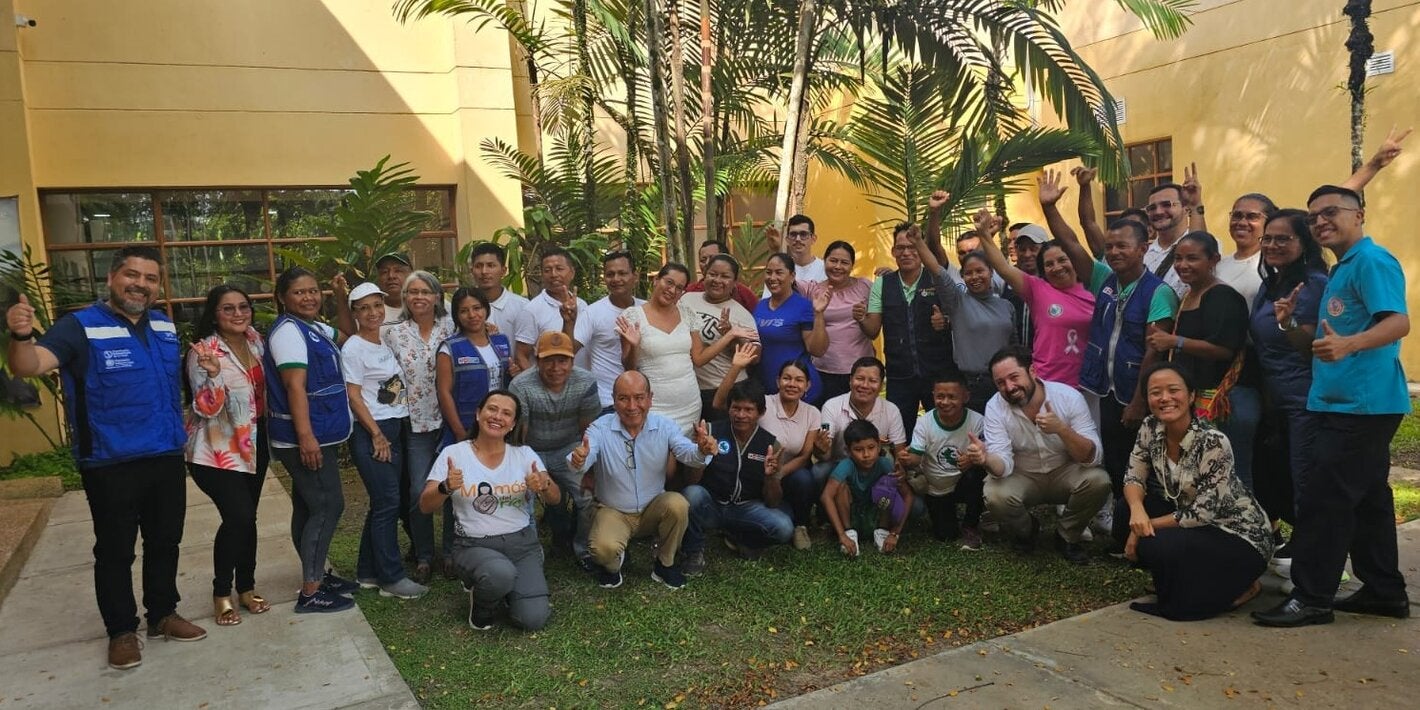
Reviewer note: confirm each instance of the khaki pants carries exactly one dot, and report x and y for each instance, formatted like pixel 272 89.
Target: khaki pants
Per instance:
pixel 1081 489
pixel 665 517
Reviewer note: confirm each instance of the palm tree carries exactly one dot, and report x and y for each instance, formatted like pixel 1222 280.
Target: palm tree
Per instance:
pixel 1360 45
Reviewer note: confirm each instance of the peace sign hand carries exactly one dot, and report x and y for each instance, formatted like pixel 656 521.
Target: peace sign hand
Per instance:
pixel 1389 149
pixel 771 462
pixel 723 325
pixel 207 359
pixel 1283 308
pixel 1192 193
pixel 569 305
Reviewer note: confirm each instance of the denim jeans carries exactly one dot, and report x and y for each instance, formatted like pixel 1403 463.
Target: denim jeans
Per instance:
pixel 419 458
pixel 571 519
pixel 1241 428
pixel 801 491
pixel 379 540
pixel 751 523
pixel 317 502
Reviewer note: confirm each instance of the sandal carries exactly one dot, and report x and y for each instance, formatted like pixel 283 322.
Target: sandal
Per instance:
pixel 254 603
pixel 224 612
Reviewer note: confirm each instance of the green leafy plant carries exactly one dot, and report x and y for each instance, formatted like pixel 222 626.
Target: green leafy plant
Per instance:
pixel 24 274
pixel 55 462
pixel 750 245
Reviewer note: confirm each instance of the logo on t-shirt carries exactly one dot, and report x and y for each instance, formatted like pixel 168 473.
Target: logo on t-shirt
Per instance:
pixel 485 502
pixel 950 456
pixel 1055 310
pixel 1335 306
pixel 391 391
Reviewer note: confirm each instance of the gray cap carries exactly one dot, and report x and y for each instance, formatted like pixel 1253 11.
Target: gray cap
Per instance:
pixel 1033 232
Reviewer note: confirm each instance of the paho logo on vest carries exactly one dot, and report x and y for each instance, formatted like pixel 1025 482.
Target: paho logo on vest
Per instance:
pixel 118 359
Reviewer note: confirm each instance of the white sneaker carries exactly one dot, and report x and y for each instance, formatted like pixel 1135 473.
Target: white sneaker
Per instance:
pixel 1086 535
pixel 1104 520
pixel 880 537
pixel 801 538
pixel 852 535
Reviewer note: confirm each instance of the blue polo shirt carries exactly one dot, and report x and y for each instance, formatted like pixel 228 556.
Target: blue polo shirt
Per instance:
pixel 1367 282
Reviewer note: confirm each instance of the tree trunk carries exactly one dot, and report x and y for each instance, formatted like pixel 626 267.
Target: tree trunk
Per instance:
pixel 1360 44
pixel 800 181
pixel 707 124
pixel 682 149
pixel 589 137
pixel 803 45
pixel 661 120
pixel 630 222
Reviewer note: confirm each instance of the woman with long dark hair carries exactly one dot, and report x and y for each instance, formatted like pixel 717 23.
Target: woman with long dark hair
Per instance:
pixel 847 299
pixel 227 452
pixel 661 338
pixel 791 327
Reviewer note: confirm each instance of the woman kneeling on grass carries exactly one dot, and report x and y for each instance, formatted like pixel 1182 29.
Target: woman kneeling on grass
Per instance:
pixel 1192 523
pixel 492 483
pixel 864 492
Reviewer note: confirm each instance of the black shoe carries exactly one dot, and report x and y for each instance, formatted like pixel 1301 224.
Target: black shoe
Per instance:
pixel 479 618
pixel 1026 545
pixel 338 585
pixel 609 580
pixel 1293 613
pixel 1073 552
pixel 1366 602
pixel 669 576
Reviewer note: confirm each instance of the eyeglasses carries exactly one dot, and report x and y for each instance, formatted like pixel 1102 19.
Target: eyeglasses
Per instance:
pixel 231 310
pixel 800 236
pixel 418 292
pixel 1329 213
pixel 630 452
pixel 1239 215
pixel 1163 205
pixel 1280 240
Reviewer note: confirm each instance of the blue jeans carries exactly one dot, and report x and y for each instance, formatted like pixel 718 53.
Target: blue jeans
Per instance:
pixel 801 491
pixel 317 502
pixel 419 457
pixel 379 540
pixel 1241 428
pixel 751 524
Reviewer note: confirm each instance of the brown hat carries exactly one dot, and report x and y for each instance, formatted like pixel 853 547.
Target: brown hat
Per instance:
pixel 555 342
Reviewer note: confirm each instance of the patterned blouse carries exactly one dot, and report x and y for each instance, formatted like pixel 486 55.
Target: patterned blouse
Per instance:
pixel 221 426
pixel 416 359
pixel 1203 484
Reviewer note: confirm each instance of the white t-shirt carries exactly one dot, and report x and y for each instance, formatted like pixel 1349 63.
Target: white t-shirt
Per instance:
pixel 507 312
pixel 1241 274
pixel 493 501
pixel 1154 257
pixel 707 319
pixel 940 448
pixel 373 368
pixel 812 271
pixel 596 331
pixel 544 313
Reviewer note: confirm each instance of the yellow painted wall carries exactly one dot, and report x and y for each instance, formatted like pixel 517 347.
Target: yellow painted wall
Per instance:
pixel 259 92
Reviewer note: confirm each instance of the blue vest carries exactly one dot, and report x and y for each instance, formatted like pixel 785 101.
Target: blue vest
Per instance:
pixel 1129 351
pixel 127 404
pixel 328 405
pixel 471 373
pixel 910 346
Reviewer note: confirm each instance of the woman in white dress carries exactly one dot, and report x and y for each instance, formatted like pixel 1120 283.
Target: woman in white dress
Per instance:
pixel 657 339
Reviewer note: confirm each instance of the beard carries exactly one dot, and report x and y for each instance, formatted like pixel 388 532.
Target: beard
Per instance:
pixel 133 301
pixel 1024 396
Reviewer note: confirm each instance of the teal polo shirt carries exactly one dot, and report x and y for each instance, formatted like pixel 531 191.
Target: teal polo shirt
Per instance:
pixel 1366 282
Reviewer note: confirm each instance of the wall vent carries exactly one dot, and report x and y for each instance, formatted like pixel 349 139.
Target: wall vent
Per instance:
pixel 1380 63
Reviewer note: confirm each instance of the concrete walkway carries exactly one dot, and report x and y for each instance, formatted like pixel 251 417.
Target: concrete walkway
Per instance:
pixel 1115 657
pixel 54 653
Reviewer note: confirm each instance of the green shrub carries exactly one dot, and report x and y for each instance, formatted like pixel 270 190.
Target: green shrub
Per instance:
pixel 57 462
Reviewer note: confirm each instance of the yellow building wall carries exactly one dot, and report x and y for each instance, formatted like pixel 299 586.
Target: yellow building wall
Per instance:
pixel 212 93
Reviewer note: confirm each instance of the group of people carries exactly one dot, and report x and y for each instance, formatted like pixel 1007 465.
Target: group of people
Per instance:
pixel 1210 397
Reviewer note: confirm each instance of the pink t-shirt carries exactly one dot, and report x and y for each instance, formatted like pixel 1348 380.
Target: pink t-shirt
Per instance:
pixel 846 340
pixel 1062 328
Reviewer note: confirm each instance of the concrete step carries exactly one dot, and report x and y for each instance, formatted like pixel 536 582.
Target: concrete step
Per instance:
pixel 21 522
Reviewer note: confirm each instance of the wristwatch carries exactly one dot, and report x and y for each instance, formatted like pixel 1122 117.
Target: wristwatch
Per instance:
pixel 1198 209
pixel 444 488
pixel 1178 344
pixel 1289 326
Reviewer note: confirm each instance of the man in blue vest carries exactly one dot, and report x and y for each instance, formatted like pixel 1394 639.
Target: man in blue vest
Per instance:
pixel 917 346
pixel 1128 304
pixel 119 362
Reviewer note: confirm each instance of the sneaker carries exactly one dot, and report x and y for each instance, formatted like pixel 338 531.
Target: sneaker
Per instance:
pixel 479 618
pixel 338 585
pixel 1026 545
pixel 988 524
pixel 669 576
pixel 852 535
pixel 970 538
pixel 587 565
pixel 367 582
pixel 1073 552
pixel 694 563
pixel 747 553
pixel 1281 562
pixel 1086 535
pixel 801 538
pixel 609 580
pixel 1104 520
pixel 322 602
pixel 404 589
pixel 125 651
pixel 880 537
pixel 175 628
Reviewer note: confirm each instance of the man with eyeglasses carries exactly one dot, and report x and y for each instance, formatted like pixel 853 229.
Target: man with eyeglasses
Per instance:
pixel 1168 215
pixel 1359 395
pixel 799 238
pixel 624 460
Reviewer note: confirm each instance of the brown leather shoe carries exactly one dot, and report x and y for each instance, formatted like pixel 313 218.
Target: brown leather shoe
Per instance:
pixel 125 651
pixel 175 628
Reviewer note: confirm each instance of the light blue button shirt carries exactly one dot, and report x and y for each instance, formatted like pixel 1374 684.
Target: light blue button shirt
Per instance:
pixel 631 471
pixel 1367 281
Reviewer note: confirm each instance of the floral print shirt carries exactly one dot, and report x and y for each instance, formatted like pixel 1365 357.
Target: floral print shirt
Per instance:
pixel 416 359
pixel 221 425
pixel 1203 484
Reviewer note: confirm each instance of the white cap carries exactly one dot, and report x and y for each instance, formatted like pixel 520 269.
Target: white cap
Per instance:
pixel 363 290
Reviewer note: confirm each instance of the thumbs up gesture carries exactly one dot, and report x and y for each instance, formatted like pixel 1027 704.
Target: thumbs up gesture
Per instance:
pixel 1159 340
pixel 975 453
pixel 20 319
pixel 537 481
pixel 1048 421
pixel 454 481
pixel 939 321
pixel 771 462
pixel 579 454
pixel 1332 347
pixel 1284 308
pixel 703 439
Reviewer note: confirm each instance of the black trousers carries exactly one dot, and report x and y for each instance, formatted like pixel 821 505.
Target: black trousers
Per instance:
pixel 236 496
pixel 1346 506
pixel 1116 440
pixel 1198 572
pixel 150 495
pixel 909 394
pixel 943 509
pixel 833 385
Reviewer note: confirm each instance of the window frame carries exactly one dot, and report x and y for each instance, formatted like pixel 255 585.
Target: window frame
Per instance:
pixel 1158 177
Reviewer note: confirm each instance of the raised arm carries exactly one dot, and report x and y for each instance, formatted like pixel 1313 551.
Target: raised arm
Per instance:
pixel 988 225
pixel 1050 193
pixel 746 354
pixel 935 202
pixel 1383 157
pixel 1085 210
pixel 816 340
